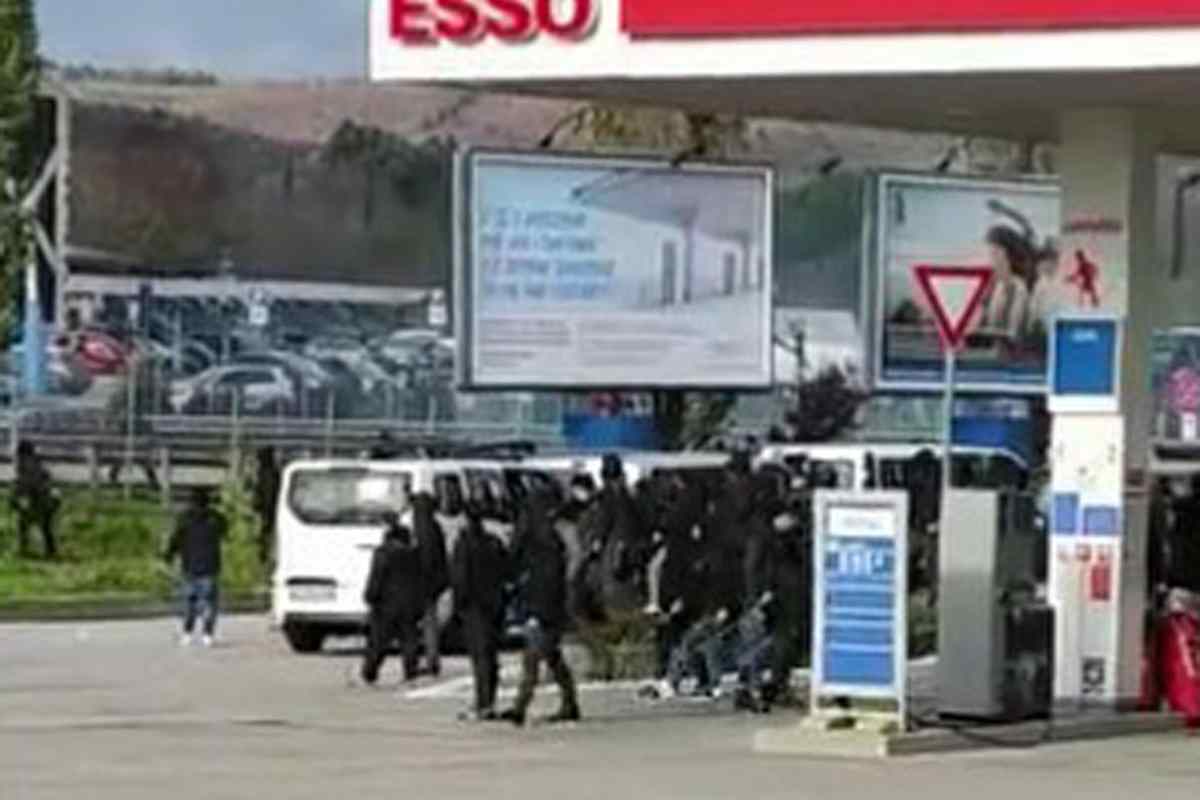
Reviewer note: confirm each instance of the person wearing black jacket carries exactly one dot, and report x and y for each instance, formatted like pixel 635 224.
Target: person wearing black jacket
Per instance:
pixel 34 501
pixel 540 559
pixel 792 587
pixel 620 532
pixel 480 571
pixel 683 580
pixel 196 541
pixel 435 575
pixel 395 596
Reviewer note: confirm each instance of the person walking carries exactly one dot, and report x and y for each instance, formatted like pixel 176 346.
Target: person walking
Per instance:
pixel 792 587
pixel 479 572
pixel 435 576
pixel 395 598
pixel 196 542
pixel 540 557
pixel 34 501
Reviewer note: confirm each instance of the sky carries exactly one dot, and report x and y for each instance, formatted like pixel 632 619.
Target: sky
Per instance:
pixel 232 38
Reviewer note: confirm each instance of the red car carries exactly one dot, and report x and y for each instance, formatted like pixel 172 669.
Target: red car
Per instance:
pixel 101 353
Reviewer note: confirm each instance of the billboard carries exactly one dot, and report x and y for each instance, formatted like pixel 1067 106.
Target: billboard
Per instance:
pixel 1008 227
pixel 582 272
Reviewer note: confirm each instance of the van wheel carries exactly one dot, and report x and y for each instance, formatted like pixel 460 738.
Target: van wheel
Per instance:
pixel 306 639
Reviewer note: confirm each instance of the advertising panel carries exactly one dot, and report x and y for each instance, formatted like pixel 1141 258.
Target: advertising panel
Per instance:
pixel 1007 227
pixel 1176 380
pixel 582 272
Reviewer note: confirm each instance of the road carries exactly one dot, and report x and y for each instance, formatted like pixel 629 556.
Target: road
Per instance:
pixel 117 711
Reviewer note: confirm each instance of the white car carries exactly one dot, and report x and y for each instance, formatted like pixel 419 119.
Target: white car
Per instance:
pixel 258 390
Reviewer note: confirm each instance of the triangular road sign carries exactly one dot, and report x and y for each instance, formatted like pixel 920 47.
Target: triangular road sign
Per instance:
pixel 955 295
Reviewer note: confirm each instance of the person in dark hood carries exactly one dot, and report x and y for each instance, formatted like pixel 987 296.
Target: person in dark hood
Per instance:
pixel 34 501
pixel 395 596
pixel 540 559
pixel 385 447
pixel 197 543
pixel 792 587
pixel 683 576
pixel 587 580
pixel 435 575
pixel 624 539
pixel 480 570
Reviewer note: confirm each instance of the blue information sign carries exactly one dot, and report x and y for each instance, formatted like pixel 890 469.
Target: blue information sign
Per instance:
pixel 860 612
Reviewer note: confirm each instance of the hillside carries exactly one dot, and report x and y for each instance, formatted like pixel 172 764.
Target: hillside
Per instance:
pixel 180 176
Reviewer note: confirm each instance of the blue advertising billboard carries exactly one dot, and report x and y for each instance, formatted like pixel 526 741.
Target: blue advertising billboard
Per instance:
pixel 584 272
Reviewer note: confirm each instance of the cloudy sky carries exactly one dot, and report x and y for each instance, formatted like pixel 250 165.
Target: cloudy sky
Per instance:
pixel 234 38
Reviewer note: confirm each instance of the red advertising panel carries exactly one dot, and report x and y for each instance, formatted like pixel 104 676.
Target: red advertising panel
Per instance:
pixel 692 18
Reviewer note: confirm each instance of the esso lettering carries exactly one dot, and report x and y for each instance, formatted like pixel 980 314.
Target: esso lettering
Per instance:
pixel 428 22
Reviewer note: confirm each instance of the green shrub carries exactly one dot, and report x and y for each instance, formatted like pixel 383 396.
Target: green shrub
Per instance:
pixel 623 648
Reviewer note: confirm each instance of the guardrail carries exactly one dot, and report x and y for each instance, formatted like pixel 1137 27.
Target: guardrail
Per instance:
pixel 163 451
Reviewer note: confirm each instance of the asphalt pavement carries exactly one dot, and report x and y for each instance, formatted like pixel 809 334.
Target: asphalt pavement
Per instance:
pixel 118 711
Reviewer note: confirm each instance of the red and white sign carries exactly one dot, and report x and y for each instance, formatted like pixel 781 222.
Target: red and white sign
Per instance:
pixel 428 22
pixel 782 17
pixel 955 296
pixel 516 40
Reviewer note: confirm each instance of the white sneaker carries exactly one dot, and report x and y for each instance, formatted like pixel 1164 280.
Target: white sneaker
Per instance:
pixel 207 641
pixel 185 640
pixel 652 610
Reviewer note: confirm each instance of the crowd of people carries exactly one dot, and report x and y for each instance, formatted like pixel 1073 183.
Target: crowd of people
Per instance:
pixel 719 565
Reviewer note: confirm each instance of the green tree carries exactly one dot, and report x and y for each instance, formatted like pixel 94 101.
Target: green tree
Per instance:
pixel 19 76
pixel 684 420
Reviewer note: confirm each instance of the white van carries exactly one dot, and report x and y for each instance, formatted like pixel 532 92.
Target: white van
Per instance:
pixel 638 465
pixel 859 466
pixel 329 522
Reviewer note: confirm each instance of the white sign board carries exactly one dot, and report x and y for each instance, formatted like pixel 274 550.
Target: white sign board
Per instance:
pixel 582 272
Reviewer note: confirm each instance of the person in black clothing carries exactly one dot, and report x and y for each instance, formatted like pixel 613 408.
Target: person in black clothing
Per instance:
pixel 197 542
pixel 435 575
pixel 682 581
pixel 1183 546
pixel 540 558
pixel 396 599
pixel 266 500
pixel 479 572
pixel 34 501
pixel 386 448
pixel 791 585
pixel 623 538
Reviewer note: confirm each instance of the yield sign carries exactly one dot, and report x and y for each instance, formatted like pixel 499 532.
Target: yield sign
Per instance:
pixel 955 295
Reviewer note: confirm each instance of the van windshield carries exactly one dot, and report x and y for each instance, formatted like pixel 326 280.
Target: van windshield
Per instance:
pixel 347 496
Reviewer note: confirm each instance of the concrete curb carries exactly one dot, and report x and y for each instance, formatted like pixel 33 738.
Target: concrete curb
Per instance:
pixel 806 739
pixel 117 607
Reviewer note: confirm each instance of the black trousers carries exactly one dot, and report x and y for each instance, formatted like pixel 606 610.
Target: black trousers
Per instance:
pixel 384 628
pixel 40 513
pixel 482 631
pixel 545 645
pixel 792 645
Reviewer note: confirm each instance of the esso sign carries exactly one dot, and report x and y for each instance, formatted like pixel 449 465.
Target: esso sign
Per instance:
pixel 428 22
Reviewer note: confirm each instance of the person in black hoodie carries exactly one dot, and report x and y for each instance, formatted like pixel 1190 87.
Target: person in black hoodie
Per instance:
pixel 395 596
pixel 682 581
pixel 623 538
pixel 435 575
pixel 792 587
pixel 480 571
pixel 540 559
pixel 197 543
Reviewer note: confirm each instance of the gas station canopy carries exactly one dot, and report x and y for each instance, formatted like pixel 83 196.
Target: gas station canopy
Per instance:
pixel 968 66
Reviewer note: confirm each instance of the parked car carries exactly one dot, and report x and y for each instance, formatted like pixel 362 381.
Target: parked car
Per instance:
pixel 308 374
pixel 102 353
pixel 260 389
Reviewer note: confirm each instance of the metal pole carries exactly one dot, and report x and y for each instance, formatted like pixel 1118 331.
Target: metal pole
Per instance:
pixel 330 410
pixel 948 421
pixel 131 379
